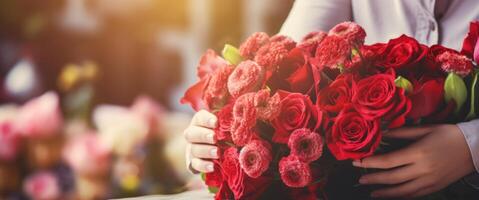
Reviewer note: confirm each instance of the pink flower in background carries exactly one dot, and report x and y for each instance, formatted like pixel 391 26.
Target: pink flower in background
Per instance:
pixel 255 157
pixel 350 31
pixel 9 141
pixel 271 55
pixel 294 173
pixel 149 110
pixel 42 186
pixel 267 107
pixel 40 117
pixel 306 145
pixel 254 42
pixel 87 154
pixel 244 119
pixel 455 62
pixel 248 76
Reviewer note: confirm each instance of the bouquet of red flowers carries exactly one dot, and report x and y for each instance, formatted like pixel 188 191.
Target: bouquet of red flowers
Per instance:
pixel 290 113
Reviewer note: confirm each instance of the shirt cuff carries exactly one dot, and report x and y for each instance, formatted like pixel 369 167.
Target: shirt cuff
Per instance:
pixel 470 130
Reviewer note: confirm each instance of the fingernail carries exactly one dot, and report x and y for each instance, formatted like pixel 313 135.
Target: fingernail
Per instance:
pixel 356 163
pixel 210 137
pixel 210 168
pixel 214 152
pixel 363 180
pixel 212 122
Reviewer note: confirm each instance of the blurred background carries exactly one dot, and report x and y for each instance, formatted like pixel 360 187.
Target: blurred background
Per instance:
pixel 111 124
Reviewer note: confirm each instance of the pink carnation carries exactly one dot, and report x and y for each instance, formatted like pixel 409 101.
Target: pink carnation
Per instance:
pixel 294 173
pixel 244 119
pixel 41 116
pixel 84 150
pixel 267 107
pixel 350 31
pixel 332 52
pixel 9 141
pixel 42 186
pixel 255 157
pixel 216 92
pixel 271 55
pixel 254 42
pixel 306 145
pixel 248 76
pixel 311 41
pixel 455 62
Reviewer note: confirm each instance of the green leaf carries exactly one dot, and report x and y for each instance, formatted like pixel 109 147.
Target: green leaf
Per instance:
pixel 403 83
pixel 455 89
pixel 231 54
pixel 212 189
pixel 203 176
pixel 472 111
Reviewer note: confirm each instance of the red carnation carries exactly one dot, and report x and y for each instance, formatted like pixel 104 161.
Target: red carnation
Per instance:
pixel 377 96
pixel 267 107
pixel 333 52
pixel 255 157
pixel 306 145
pixel 225 121
pixel 297 111
pixel 352 136
pixel 311 41
pixel 254 42
pixel 336 95
pixel 215 93
pixel 248 76
pixel 271 55
pixel 244 119
pixel 294 173
pixel 350 31
pixel 455 62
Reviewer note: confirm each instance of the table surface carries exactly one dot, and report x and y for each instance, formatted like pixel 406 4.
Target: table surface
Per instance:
pixel 188 195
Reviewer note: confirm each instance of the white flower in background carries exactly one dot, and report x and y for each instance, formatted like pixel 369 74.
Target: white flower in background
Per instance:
pixel 120 128
pixel 40 117
pixel 150 111
pixel 22 80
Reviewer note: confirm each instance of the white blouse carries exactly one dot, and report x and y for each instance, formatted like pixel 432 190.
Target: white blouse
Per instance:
pixel 387 19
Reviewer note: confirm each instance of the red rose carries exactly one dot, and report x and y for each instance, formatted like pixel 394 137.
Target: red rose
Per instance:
pixel 255 157
pixel 306 145
pixel 272 54
pixel 244 119
pixel 209 63
pixel 225 121
pixel 294 173
pixel 471 39
pixel 426 98
pixel 248 76
pixel 455 62
pixel 267 107
pixel 254 42
pixel 352 136
pixel 311 41
pixel 402 52
pixel 332 52
pixel 350 31
pixel 294 73
pixel 297 111
pixel 336 95
pixel 377 96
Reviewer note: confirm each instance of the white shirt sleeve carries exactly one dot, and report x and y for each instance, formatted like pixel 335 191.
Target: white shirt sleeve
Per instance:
pixel 471 133
pixel 312 15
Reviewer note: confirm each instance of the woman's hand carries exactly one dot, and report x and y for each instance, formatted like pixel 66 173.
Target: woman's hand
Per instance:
pixel 439 157
pixel 200 137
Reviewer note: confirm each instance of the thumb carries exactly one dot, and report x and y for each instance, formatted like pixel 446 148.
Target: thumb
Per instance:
pixel 409 132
